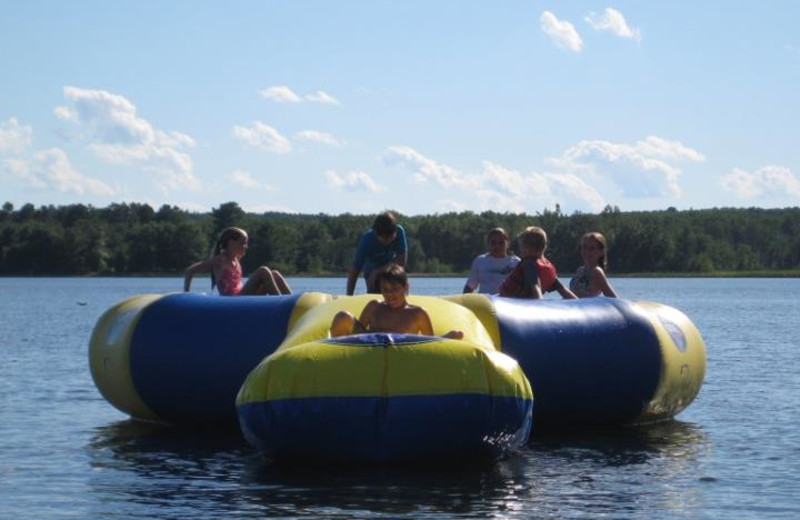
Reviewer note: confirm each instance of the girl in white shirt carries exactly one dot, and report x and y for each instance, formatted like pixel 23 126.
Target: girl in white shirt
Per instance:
pixel 490 269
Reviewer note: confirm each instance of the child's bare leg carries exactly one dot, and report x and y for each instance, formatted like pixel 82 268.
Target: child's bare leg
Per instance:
pixel 281 283
pixel 343 324
pixel 261 282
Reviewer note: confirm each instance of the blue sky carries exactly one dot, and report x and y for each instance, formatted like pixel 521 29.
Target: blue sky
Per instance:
pixel 424 107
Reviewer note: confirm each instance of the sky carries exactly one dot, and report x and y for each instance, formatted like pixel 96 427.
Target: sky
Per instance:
pixel 424 107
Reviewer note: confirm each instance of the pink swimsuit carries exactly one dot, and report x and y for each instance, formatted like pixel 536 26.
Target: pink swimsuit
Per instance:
pixel 230 283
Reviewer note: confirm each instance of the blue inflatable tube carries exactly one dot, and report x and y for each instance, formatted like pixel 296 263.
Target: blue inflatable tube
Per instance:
pixel 593 361
pixel 182 357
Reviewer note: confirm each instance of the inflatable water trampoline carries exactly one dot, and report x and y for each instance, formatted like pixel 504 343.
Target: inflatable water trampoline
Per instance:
pixel 270 364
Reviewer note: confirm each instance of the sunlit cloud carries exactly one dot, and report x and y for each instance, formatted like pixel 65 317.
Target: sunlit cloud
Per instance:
pixel 15 138
pixel 766 181
pixel 284 94
pixel 280 93
pixel 353 181
pixel 51 169
pixel 318 137
pixel 118 135
pixel 323 97
pixel 560 32
pixel 614 22
pixel 261 135
pixel 499 188
pixel 425 169
pixel 244 179
pixel 66 113
pixel 644 169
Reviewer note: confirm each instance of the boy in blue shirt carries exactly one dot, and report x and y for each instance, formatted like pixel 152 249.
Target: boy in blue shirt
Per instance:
pixel 382 245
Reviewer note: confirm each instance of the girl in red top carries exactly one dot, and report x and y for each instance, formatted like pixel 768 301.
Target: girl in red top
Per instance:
pixel 226 270
pixel 534 275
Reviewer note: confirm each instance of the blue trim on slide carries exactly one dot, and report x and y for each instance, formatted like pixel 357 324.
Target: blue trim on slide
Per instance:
pixel 355 429
pixel 190 353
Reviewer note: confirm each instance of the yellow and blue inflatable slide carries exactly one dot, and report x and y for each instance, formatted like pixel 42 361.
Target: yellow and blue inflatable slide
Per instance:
pixel 299 394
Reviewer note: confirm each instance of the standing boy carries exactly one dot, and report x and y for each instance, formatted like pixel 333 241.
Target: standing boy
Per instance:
pixel 378 247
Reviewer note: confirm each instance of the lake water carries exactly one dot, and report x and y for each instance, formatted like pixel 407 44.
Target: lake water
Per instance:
pixel 734 453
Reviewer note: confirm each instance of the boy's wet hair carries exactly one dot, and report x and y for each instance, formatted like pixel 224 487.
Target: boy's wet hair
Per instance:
pixel 385 224
pixel 534 238
pixel 393 273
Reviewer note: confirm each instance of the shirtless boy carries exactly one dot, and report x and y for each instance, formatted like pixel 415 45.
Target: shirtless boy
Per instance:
pixel 393 314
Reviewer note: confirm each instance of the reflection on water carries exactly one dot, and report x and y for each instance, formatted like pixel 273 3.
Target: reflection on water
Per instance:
pixel 630 471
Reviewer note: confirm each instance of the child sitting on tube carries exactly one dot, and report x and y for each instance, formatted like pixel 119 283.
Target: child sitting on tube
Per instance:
pixel 393 314
pixel 534 275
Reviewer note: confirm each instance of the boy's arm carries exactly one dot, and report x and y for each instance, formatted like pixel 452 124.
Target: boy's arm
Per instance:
pixel 352 278
pixel 530 277
pixel 365 320
pixel 359 258
pixel 424 325
pixel 536 290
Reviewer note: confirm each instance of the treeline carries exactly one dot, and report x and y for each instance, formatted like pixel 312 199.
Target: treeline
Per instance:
pixel 138 239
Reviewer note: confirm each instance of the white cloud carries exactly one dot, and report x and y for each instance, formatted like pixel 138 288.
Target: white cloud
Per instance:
pixel 280 93
pixel 612 21
pixel 498 188
pixel 450 205
pixel 262 135
pixel 51 169
pixel 66 113
pixel 516 191
pixel 245 180
pixel 322 97
pixel 283 94
pixel 353 181
pixel 111 117
pixel 643 169
pixel 118 135
pixel 767 180
pixel 426 169
pixel 15 138
pixel 561 32
pixel 318 137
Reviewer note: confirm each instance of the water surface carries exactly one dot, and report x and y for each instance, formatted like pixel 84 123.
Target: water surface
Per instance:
pixel 734 453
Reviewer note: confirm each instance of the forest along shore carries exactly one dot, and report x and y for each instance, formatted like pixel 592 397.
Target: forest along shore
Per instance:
pixel 138 240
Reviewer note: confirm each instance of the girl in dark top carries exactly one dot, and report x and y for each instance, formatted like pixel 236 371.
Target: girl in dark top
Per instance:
pixel 590 278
